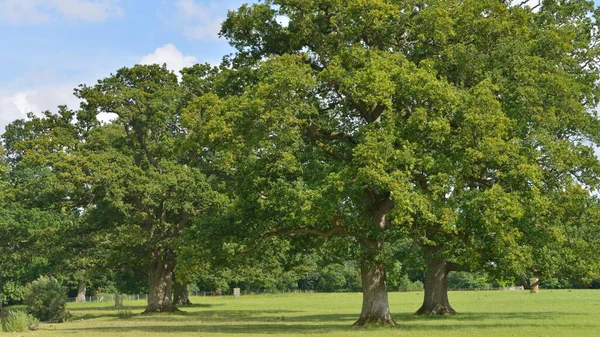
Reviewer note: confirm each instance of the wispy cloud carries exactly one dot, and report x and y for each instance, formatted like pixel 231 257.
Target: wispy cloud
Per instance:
pixel 16 105
pixel 41 11
pixel 48 94
pixel 199 22
pixel 202 20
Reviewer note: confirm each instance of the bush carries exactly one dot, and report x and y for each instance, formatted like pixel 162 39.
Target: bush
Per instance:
pixel 19 321
pixel 46 300
pixel 332 278
pixel 12 292
pixel 561 283
pixel 461 280
pixel 405 284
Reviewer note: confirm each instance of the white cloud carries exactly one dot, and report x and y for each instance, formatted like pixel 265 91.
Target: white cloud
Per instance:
pixel 170 55
pixel 199 22
pixel 16 11
pixel 39 11
pixel 16 105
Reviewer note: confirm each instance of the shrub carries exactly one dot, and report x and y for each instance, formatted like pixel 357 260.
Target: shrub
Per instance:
pixel 46 299
pixel 405 284
pixel 332 278
pixel 466 280
pixel 12 292
pixel 19 321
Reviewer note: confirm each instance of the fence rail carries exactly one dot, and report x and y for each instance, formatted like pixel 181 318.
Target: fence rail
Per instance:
pixel 111 297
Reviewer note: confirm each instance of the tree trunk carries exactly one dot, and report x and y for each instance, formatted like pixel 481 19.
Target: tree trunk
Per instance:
pixel 81 292
pixel 375 306
pixel 181 293
pixel 435 301
pixel 525 282
pixel 118 299
pixel 160 283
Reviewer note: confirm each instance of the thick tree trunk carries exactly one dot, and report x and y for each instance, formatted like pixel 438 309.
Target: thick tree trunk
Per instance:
pixel 181 296
pixel 160 284
pixel 81 292
pixel 435 301
pixel 375 306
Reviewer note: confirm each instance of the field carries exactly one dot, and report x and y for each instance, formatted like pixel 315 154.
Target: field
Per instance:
pixel 484 313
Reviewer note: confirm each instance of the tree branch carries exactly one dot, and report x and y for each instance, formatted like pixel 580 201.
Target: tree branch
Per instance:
pixel 323 234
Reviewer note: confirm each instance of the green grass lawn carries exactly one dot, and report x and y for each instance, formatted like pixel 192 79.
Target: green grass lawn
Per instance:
pixel 492 313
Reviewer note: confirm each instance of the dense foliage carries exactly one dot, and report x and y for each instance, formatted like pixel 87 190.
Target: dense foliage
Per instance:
pixel 46 300
pixel 18 321
pixel 366 145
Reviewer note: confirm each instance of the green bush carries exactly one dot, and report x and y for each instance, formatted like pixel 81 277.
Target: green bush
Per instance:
pixel 46 299
pixel 405 284
pixel 12 292
pixel 466 280
pixel 332 278
pixel 19 321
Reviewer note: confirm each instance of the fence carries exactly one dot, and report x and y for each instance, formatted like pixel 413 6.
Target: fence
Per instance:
pixel 111 297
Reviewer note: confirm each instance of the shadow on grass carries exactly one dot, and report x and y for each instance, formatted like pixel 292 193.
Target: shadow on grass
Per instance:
pixel 136 310
pixel 516 316
pixel 243 329
pixel 277 322
pixel 110 308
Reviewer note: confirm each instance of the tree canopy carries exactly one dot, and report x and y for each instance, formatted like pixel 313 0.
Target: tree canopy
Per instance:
pixel 363 131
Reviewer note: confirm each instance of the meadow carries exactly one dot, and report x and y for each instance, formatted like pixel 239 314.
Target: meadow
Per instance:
pixel 482 313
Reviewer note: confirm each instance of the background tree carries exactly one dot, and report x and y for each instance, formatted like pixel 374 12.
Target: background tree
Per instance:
pixel 143 180
pixel 32 222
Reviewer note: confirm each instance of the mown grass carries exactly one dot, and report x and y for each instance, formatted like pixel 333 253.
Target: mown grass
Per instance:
pixel 492 313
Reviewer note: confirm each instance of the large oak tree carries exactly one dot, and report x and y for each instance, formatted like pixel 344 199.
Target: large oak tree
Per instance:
pixel 449 121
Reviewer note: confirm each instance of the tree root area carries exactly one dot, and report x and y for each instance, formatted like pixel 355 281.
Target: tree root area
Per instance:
pixel 374 321
pixel 161 310
pixel 438 310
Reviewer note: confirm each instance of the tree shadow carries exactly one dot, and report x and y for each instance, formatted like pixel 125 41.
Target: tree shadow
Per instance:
pixel 411 322
pixel 136 310
pixel 243 329
pixel 475 316
pixel 109 308
pixel 247 315
pixel 200 305
pixel 279 322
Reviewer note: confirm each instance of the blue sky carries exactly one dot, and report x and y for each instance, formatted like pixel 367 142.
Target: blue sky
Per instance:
pixel 51 46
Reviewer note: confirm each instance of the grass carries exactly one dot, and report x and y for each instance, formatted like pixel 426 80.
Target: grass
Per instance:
pixel 552 313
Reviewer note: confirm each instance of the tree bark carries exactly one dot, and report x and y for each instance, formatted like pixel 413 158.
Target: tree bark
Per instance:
pixel 160 284
pixel 81 292
pixel 375 305
pixel 435 300
pixel 181 296
pixel 118 299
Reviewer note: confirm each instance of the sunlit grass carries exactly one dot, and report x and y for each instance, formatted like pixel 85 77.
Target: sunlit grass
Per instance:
pixel 493 313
